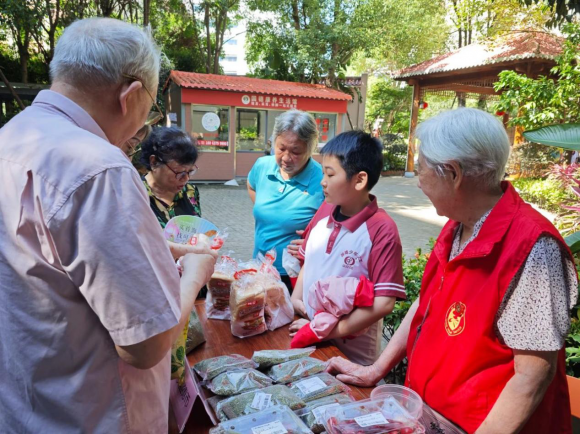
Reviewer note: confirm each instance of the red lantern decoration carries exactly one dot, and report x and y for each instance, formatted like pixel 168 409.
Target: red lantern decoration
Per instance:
pixel 423 105
pixel 500 113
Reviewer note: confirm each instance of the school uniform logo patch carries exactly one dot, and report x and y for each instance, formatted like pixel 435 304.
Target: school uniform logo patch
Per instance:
pixel 455 319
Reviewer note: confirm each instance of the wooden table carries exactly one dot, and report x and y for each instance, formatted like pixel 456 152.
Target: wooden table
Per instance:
pixel 220 341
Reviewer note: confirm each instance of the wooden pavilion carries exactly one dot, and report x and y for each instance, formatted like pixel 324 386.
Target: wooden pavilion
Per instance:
pixel 471 71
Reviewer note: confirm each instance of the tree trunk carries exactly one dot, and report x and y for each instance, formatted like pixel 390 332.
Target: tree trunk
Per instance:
pixel 24 57
pixel 206 21
pixel 295 14
pixel 146 8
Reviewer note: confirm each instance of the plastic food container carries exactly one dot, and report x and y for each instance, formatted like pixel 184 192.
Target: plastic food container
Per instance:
pixel 407 398
pixel 274 420
pixel 383 415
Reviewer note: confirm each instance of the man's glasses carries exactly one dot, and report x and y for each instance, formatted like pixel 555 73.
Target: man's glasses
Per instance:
pixel 153 117
pixel 180 176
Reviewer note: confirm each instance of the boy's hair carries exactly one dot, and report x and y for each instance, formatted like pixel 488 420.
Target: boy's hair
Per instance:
pixel 357 152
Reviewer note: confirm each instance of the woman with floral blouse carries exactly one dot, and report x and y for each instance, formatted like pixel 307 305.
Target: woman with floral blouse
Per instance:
pixel 169 155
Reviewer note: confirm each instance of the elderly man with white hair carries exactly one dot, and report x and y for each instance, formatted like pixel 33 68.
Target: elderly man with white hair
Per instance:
pixel 90 298
pixel 485 339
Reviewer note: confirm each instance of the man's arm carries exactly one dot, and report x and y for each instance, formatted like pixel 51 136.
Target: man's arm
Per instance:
pixel 367 376
pixel 534 371
pixel 197 272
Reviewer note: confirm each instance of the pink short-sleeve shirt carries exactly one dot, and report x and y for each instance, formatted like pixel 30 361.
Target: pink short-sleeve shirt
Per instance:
pixel 83 267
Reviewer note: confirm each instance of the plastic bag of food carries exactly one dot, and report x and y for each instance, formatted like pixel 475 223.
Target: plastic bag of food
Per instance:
pixel 384 415
pixel 318 386
pixel 258 400
pixel 210 368
pixel 267 358
pixel 235 382
pixel 247 301
pixel 278 419
pixel 295 369
pixel 217 238
pixel 195 336
pixel 312 414
pixel 217 301
pixel 290 264
pixel 278 310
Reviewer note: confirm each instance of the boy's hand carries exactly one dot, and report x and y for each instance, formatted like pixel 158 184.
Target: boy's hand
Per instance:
pixel 295 245
pixel 297 325
pixel 300 308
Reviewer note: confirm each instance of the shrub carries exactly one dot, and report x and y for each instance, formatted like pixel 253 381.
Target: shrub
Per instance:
pixel 548 194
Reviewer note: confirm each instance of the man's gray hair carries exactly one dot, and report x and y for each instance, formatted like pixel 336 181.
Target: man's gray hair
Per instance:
pixel 471 137
pixel 300 123
pixel 94 53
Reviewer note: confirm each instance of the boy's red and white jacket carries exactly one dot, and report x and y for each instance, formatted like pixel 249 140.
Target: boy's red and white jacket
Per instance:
pixel 332 298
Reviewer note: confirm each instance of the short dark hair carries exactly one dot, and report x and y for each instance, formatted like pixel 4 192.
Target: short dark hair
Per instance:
pixel 357 152
pixel 169 144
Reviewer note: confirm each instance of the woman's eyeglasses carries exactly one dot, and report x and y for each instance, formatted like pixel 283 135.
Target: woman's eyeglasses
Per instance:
pixel 180 176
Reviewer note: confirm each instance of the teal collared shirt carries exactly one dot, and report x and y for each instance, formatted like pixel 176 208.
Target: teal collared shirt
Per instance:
pixel 283 207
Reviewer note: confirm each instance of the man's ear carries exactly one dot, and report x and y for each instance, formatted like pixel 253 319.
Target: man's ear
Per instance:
pixel 128 92
pixel 361 181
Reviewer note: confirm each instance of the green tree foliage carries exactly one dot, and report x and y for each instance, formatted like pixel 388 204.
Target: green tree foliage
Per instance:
pixel 535 102
pixel 389 101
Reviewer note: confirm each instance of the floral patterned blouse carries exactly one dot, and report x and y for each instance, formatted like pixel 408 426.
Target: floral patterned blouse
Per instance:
pixel 186 202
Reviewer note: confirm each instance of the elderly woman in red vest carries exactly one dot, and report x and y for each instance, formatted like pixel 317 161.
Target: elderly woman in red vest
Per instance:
pixel 485 339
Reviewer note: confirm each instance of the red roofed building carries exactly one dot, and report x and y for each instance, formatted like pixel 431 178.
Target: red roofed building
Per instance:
pixel 472 70
pixel 233 117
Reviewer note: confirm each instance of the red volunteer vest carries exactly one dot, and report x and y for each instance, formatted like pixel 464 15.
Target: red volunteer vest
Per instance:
pixel 456 362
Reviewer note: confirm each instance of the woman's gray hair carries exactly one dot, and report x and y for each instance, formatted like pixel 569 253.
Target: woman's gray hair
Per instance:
pixel 300 123
pixel 94 53
pixel 476 140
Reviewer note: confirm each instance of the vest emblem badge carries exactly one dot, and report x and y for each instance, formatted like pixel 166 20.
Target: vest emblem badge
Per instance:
pixel 455 319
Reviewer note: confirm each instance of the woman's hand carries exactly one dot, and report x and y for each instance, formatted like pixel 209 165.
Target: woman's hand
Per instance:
pixel 295 245
pixel 349 372
pixel 297 325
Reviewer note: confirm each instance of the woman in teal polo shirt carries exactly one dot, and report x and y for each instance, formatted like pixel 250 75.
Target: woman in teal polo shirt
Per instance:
pixel 285 187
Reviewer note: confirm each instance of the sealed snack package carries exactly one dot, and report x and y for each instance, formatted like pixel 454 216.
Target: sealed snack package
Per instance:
pixel 210 368
pixel 235 382
pixel 178 357
pixel 295 369
pixel 247 301
pixel 312 415
pixel 318 386
pixel 383 415
pixel 195 336
pixel 278 419
pixel 217 302
pixel 267 358
pixel 258 400
pixel 278 310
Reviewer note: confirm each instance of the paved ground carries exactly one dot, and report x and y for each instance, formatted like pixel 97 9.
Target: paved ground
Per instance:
pixel 416 218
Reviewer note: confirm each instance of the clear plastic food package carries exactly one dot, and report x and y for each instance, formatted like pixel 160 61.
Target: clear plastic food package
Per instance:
pixel 268 358
pixel 293 370
pixel 318 386
pixel 278 310
pixel 210 368
pixel 258 400
pixel 278 419
pixel 217 302
pixel 247 301
pixel 312 415
pixel 239 381
pixel 378 416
